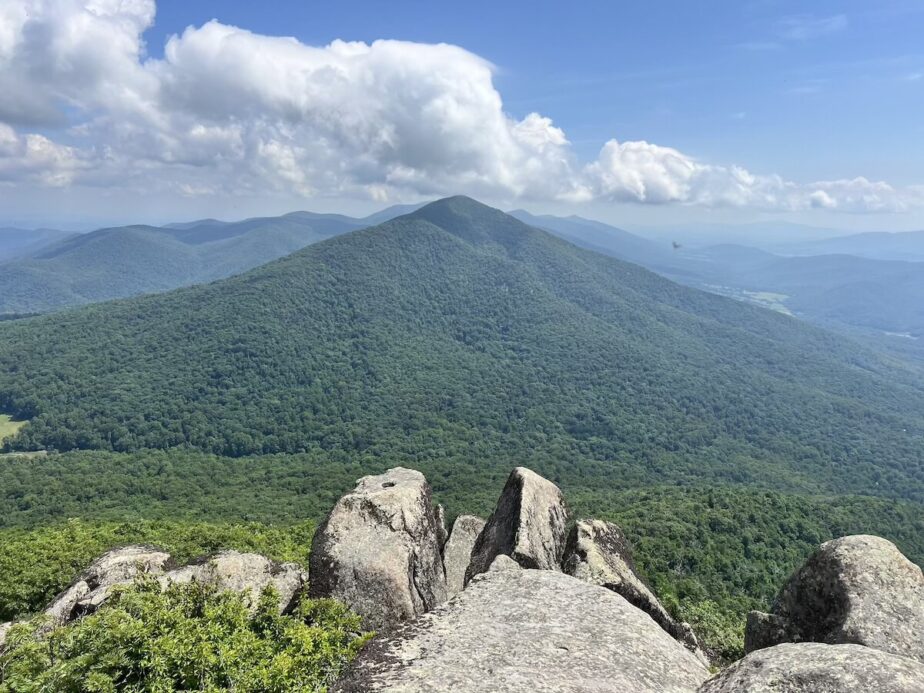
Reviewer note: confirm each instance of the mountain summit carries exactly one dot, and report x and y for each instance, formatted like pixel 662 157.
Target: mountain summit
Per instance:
pixel 457 331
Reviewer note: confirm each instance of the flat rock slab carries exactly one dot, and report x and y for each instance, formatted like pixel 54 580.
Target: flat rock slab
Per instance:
pixel 527 630
pixel 818 668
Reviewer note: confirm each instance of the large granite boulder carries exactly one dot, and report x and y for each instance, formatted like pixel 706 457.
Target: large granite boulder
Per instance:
pixel 246 573
pixel 856 589
pixel 599 553
pixel 457 553
pixel 529 524
pixel 379 551
pixel 527 630
pixel 116 567
pixel 818 668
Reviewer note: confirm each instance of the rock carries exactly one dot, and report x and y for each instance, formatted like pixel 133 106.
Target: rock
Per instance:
pixel 503 562
pixel 818 668
pixel 116 567
pixel 4 629
pixel 457 553
pixel 857 589
pixel 527 630
pixel 442 536
pixel 528 524
pixel 599 553
pixel 244 572
pixel 378 551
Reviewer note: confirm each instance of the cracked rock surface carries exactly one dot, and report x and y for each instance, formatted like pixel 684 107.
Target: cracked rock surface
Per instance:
pixel 527 630
pixel 379 550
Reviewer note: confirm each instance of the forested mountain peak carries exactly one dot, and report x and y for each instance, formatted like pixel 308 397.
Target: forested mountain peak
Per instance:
pixel 458 331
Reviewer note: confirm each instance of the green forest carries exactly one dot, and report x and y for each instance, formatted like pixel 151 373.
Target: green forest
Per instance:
pixel 710 552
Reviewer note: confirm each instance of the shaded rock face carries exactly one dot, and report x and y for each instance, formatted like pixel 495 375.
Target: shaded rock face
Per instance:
pixel 457 553
pixel 857 589
pixel 528 524
pixel 117 567
pixel 379 552
pixel 818 668
pixel 599 553
pixel 527 630
pixel 244 572
pixel 4 629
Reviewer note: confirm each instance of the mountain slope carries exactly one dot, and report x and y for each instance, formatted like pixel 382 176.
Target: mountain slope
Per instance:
pixel 460 333
pixel 20 242
pixel 902 246
pixel 131 260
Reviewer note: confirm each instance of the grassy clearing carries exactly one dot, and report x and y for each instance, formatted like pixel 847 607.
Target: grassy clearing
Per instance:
pixel 8 427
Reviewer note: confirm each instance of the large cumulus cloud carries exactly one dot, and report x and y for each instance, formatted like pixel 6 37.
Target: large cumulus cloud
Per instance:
pixel 227 111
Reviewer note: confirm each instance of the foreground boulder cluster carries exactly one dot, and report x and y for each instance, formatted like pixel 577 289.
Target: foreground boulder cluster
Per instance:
pixel 530 600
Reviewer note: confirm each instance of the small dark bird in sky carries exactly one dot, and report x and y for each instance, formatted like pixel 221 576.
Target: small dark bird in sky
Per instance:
pixel 676 245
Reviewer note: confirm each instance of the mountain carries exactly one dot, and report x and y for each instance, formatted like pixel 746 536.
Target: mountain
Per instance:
pixel 457 332
pixel 879 301
pixel 900 246
pixel 766 235
pixel 19 242
pixel 130 260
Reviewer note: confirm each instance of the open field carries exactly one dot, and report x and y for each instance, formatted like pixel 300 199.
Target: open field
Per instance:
pixel 8 427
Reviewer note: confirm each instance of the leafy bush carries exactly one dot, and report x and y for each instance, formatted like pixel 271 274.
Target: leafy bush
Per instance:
pixel 187 637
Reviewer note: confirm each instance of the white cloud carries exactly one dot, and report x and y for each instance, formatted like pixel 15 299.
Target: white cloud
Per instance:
pixel 227 111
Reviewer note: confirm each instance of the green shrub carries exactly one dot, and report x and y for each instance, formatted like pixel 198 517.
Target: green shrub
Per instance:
pixel 187 637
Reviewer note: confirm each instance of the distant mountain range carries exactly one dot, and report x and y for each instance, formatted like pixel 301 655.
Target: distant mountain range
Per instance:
pixel 459 333
pixel 881 300
pixel 869 285
pixel 16 242
pixel 49 270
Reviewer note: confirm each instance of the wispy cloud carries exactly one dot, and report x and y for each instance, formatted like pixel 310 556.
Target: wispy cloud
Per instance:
pixel 805 27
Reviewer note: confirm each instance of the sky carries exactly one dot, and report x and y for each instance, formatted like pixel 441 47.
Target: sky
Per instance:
pixel 654 113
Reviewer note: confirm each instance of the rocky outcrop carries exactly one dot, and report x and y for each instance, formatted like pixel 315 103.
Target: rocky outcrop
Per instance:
pixel 527 630
pixel 857 589
pixel 818 668
pixel 529 524
pixel 4 630
pixel 457 553
pixel 116 567
pixel 599 553
pixel 246 573
pixel 378 551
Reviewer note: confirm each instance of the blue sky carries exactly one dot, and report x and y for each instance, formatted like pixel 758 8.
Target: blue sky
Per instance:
pixel 797 98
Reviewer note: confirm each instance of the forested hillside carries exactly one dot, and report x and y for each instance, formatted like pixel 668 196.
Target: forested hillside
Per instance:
pixel 459 333
pixel 131 260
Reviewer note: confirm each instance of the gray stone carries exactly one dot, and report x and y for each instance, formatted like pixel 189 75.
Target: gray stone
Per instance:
pixel 245 573
pixel 599 553
pixel 857 589
pixel 529 524
pixel 442 535
pixel 503 562
pixel 527 630
pixel 116 567
pixel 457 553
pixel 378 551
pixel 4 630
pixel 818 668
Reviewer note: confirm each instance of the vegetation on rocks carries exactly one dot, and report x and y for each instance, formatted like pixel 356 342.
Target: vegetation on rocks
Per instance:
pixel 187 637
